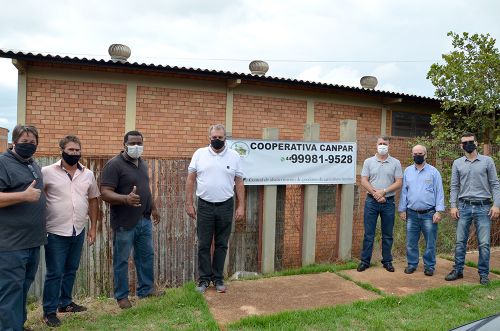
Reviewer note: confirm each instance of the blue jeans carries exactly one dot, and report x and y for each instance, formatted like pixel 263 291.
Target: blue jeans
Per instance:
pixel 416 223
pixel 62 258
pixel 478 215
pixel 386 211
pixel 140 237
pixel 17 272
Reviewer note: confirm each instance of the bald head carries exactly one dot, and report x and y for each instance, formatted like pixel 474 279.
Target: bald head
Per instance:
pixel 419 150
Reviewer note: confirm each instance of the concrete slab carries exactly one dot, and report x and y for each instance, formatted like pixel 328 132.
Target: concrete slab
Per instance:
pixel 399 283
pixel 494 257
pixel 277 294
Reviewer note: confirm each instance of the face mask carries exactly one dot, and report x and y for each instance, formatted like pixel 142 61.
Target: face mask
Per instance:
pixel 418 159
pixel 135 151
pixel 382 149
pixel 469 147
pixel 217 143
pixel 25 150
pixel 70 159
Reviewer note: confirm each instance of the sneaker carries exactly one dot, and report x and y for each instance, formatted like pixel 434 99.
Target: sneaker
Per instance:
pixel 388 266
pixel 428 272
pixel 220 287
pixel 124 303
pixel 72 308
pixel 410 270
pixel 154 293
pixel 202 287
pixel 483 280
pixel 51 320
pixel 362 267
pixel 454 275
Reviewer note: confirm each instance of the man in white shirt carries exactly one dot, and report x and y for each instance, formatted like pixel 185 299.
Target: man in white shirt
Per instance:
pixel 216 169
pixel 72 193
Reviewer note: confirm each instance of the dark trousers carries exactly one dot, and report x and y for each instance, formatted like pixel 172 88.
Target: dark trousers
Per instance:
pixel 62 258
pixel 373 210
pixel 17 272
pixel 214 221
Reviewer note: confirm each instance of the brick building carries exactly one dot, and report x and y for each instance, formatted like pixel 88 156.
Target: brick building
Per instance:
pixel 100 100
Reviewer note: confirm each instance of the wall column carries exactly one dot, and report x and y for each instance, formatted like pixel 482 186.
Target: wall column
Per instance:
pixel 269 215
pixel 130 107
pixel 348 131
pixel 311 133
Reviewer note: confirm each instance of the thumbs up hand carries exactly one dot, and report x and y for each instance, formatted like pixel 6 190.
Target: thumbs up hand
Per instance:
pixel 133 199
pixel 32 194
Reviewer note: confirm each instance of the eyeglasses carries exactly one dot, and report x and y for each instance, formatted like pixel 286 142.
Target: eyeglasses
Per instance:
pixel 217 137
pixel 30 167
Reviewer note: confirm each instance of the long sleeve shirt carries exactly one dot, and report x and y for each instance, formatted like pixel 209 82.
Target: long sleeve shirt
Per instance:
pixel 474 180
pixel 422 189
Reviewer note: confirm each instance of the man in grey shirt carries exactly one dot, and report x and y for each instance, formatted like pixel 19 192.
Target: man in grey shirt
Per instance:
pixel 382 177
pixel 474 182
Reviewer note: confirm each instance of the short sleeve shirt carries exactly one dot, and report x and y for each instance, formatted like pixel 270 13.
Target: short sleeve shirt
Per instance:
pixel 22 225
pixel 68 198
pixel 122 175
pixel 382 174
pixel 215 173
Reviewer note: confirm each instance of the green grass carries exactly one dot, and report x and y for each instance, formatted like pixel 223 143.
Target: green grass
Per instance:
pixel 180 309
pixel 437 309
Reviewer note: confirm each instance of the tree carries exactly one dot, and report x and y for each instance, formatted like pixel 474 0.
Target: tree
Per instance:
pixel 468 85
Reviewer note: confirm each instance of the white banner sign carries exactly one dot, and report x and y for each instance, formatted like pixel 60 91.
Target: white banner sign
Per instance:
pixel 267 162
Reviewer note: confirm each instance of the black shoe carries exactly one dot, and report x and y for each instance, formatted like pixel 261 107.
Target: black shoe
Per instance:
pixel 52 320
pixel 72 308
pixel 428 272
pixel 389 267
pixel 454 275
pixel 362 267
pixel 483 280
pixel 410 270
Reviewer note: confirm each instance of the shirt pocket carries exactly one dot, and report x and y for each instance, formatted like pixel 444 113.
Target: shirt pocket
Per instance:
pixel 428 184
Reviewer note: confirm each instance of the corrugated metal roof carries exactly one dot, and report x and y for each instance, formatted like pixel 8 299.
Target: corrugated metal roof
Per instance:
pixel 28 56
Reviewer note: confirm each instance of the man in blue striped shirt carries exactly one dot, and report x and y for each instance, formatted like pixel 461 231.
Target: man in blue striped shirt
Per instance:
pixel 421 205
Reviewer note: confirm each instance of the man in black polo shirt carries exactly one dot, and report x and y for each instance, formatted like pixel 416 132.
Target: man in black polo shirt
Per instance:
pixel 125 185
pixel 22 225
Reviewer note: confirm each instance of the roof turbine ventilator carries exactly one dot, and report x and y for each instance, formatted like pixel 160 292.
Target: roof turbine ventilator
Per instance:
pixel 258 67
pixel 119 52
pixel 369 82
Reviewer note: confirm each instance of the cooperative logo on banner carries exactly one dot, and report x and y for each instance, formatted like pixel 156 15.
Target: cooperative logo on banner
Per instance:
pixel 241 148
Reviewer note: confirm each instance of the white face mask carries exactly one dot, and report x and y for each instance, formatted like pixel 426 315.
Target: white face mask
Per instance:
pixel 135 151
pixel 382 149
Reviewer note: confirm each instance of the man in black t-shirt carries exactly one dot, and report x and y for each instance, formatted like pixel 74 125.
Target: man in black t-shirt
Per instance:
pixel 22 225
pixel 125 185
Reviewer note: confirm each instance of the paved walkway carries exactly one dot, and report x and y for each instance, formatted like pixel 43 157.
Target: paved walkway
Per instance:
pixel 277 294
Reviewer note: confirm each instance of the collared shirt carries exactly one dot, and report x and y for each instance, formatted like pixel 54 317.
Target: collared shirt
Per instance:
pixel 215 173
pixel 382 174
pixel 474 180
pixel 22 225
pixel 68 198
pixel 422 189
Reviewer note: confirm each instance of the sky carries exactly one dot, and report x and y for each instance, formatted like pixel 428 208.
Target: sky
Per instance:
pixel 329 41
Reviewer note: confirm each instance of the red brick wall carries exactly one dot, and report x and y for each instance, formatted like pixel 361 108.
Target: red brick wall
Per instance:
pixel 175 122
pixel 92 111
pixel 3 139
pixel 253 113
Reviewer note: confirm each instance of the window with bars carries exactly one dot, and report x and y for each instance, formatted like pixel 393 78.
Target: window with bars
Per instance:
pixel 411 124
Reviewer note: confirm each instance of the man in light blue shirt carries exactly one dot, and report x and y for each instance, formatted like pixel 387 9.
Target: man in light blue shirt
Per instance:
pixel 420 205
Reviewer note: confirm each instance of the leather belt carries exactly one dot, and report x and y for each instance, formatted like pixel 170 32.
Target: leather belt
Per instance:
pixel 215 203
pixel 423 211
pixel 476 202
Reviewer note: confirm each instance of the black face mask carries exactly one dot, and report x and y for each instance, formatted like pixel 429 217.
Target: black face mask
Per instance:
pixel 469 146
pixel 418 159
pixel 25 150
pixel 217 143
pixel 70 159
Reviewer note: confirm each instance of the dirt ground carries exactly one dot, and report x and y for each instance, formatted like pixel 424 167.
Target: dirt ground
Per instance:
pixel 272 295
